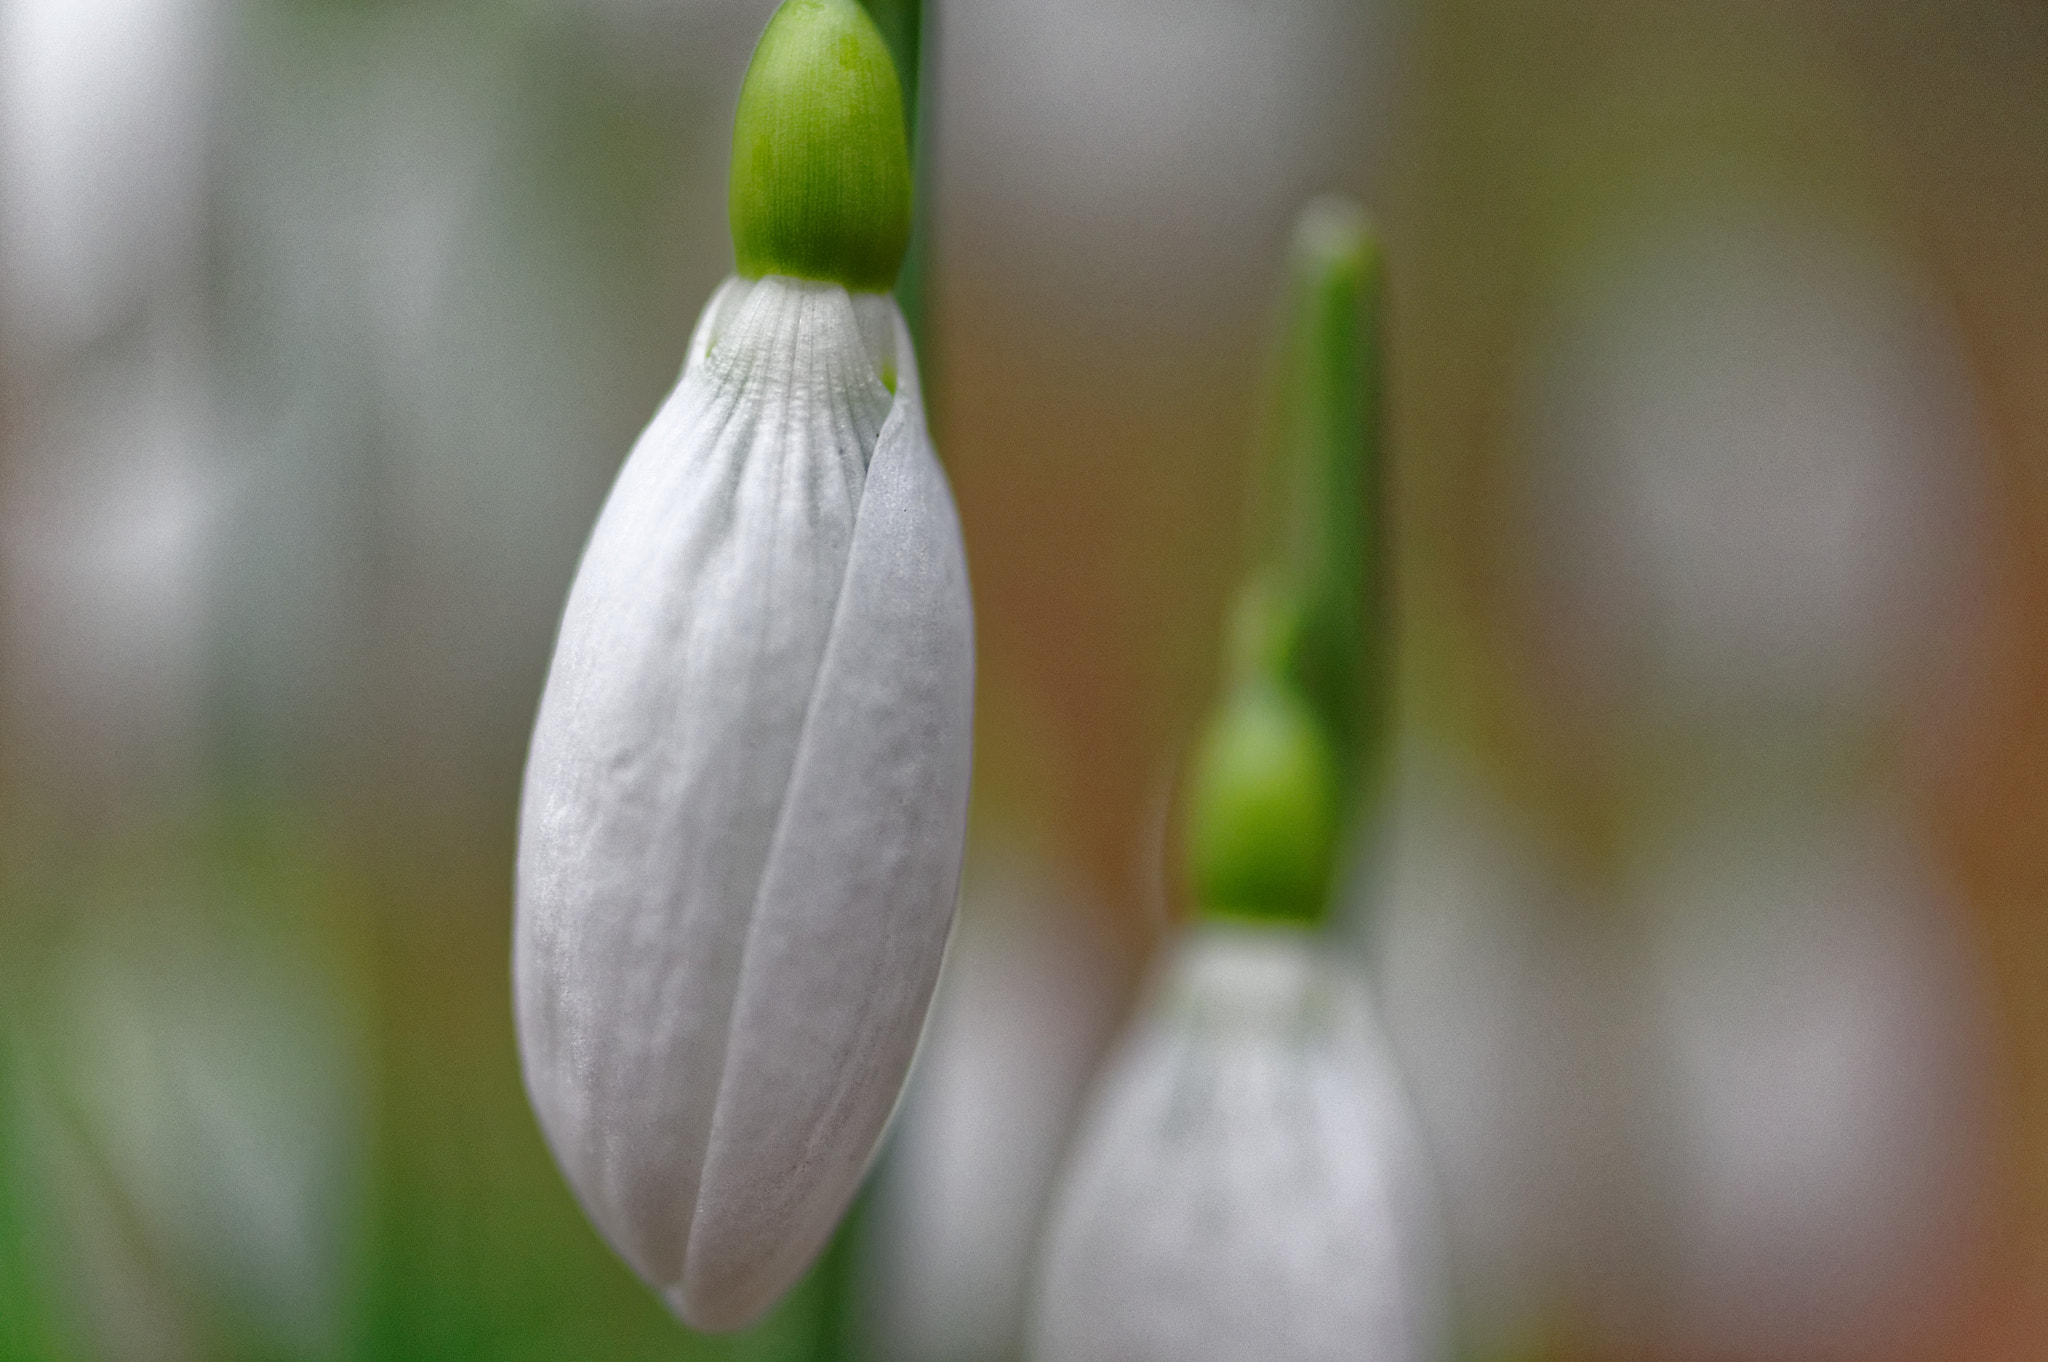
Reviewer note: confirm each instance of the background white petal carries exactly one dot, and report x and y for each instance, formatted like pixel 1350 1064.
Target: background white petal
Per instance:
pixel 1247 1183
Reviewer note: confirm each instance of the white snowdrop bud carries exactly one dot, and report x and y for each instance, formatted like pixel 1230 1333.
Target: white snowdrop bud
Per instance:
pixel 1247 1183
pixel 746 798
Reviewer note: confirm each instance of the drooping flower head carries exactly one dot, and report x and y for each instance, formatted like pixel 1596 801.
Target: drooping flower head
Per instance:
pixel 745 800
pixel 1248 1183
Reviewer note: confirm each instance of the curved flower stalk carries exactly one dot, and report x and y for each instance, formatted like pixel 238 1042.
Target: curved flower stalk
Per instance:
pixel 1248 1182
pixel 745 801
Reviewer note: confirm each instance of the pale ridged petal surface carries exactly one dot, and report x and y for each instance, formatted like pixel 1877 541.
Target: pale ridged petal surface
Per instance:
pixel 745 800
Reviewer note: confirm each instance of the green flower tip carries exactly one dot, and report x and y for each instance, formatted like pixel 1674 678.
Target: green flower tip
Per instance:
pixel 1334 244
pixel 820 162
pixel 1264 792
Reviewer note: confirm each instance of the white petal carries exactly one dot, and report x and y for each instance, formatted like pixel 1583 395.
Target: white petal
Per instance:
pixel 753 587
pixel 1246 1184
pixel 854 907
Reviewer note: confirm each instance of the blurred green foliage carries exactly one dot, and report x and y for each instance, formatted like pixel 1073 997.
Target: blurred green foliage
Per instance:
pixel 469 1244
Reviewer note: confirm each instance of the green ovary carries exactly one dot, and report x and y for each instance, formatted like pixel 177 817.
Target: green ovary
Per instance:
pixel 1263 809
pixel 821 181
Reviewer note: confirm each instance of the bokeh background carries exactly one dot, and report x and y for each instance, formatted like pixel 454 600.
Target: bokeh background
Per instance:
pixel 1712 920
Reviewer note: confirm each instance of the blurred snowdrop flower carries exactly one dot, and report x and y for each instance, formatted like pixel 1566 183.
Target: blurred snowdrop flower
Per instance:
pixel 1753 510
pixel 1752 491
pixel 1826 1084
pixel 745 800
pixel 1247 1183
pixel 110 524
pixel 103 107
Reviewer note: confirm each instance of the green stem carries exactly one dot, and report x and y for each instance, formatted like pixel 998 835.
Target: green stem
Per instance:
pixel 25 1330
pixel 904 31
pixel 1336 548
pixel 1290 762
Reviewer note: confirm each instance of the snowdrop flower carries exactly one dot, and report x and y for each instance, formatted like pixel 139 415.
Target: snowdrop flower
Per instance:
pixel 745 801
pixel 1247 1182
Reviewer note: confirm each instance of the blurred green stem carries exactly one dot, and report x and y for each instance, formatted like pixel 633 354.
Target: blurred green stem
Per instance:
pixel 1331 442
pixel 1290 762
pixel 24 1328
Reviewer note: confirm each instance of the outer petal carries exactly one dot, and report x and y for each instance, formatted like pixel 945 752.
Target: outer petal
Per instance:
pixel 857 899
pixel 1246 1184
pixel 693 676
